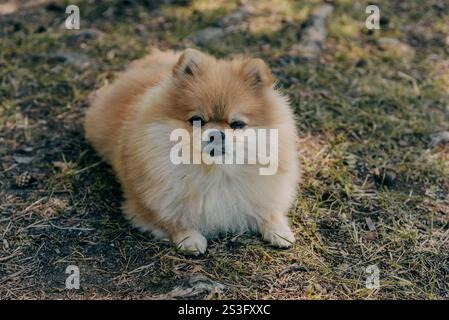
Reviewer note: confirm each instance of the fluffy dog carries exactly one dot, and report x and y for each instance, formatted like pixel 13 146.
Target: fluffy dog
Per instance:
pixel 130 123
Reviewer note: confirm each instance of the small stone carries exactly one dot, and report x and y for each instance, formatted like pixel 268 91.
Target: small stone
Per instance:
pixel 23 160
pixel 230 23
pixel 439 138
pixel 207 35
pixel 76 59
pixel 314 34
pixel 370 224
pixel 370 236
pixel 197 285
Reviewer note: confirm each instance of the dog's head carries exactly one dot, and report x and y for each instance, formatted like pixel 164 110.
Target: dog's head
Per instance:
pixel 219 96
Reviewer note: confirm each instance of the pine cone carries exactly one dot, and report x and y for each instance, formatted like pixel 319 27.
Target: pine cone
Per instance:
pixel 23 180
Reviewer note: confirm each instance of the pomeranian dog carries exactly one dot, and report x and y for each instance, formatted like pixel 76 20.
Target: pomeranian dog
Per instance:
pixel 131 122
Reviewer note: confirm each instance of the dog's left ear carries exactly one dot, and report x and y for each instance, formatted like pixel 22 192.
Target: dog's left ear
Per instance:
pixel 188 64
pixel 257 73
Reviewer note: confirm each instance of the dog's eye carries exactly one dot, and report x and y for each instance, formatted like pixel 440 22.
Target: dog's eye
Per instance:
pixel 195 119
pixel 237 124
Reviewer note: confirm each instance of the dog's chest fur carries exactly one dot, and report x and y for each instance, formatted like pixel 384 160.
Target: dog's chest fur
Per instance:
pixel 212 200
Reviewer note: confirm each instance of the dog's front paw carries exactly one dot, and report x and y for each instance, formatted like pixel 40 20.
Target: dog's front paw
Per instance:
pixel 279 236
pixel 191 242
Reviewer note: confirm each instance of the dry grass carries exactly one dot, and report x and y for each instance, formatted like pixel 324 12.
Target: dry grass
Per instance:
pixel 374 191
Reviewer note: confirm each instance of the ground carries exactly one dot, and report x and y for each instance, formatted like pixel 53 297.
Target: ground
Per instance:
pixel 372 111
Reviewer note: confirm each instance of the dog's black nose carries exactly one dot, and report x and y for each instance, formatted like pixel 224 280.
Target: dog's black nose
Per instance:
pixel 214 134
pixel 218 139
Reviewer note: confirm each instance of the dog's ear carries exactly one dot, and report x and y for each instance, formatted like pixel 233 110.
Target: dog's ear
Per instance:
pixel 257 73
pixel 188 64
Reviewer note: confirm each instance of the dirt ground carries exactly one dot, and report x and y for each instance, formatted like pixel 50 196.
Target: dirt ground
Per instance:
pixel 373 117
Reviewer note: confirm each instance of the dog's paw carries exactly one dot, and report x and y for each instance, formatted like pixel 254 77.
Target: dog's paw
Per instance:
pixel 281 237
pixel 191 242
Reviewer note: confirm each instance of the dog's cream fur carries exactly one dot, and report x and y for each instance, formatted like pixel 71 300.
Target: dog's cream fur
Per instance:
pixel 129 123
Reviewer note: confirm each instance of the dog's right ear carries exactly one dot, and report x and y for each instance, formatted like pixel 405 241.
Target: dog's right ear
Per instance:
pixel 188 64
